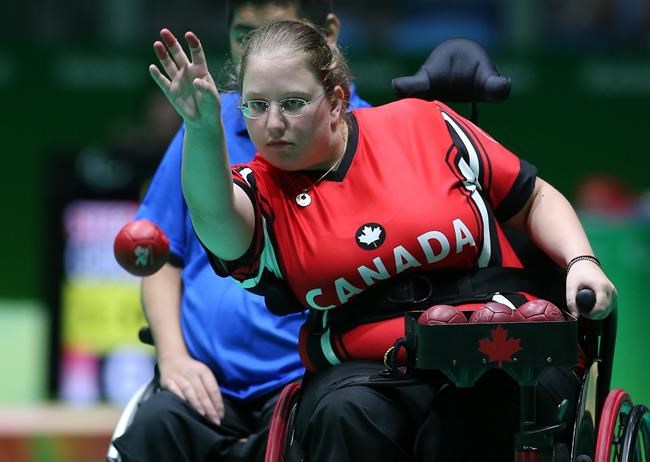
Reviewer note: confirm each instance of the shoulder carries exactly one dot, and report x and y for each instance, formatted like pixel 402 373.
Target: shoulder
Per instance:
pixel 405 112
pixel 255 172
pixel 401 107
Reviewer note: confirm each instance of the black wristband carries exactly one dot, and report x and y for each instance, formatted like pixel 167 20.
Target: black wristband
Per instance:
pixel 579 258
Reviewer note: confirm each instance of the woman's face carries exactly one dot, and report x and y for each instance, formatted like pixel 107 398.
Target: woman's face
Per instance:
pixel 290 143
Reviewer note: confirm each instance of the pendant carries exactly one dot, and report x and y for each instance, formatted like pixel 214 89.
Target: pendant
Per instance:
pixel 303 199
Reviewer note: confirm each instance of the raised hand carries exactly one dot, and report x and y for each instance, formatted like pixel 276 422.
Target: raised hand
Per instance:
pixel 186 83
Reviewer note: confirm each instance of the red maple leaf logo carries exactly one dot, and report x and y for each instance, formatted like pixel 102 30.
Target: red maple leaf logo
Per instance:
pixel 499 347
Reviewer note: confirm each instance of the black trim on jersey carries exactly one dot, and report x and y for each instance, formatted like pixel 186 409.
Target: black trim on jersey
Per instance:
pixel 521 190
pixel 350 150
pixel 225 268
pixel 452 159
pixel 463 150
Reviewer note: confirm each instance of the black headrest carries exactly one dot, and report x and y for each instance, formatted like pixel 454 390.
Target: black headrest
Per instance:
pixel 457 70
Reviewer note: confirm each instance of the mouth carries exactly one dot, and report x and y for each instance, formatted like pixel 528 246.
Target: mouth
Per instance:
pixel 278 143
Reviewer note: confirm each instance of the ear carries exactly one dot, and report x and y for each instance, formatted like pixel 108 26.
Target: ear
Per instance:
pixel 332 26
pixel 336 101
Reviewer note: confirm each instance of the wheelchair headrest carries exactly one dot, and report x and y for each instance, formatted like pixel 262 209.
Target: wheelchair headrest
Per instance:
pixel 457 70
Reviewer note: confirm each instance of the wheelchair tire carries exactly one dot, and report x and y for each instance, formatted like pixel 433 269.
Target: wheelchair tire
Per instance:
pixel 584 430
pixel 636 449
pixel 142 394
pixel 281 429
pixel 611 426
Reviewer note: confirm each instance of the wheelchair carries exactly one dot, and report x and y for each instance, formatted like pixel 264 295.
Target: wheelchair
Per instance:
pixel 141 395
pixel 608 426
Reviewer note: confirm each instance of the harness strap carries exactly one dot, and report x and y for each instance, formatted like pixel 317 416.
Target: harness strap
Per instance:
pixel 418 291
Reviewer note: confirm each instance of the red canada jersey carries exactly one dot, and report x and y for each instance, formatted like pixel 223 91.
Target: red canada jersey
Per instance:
pixel 419 188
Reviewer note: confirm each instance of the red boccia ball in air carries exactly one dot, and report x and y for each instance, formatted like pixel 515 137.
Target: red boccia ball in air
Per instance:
pixel 492 312
pixel 442 314
pixel 538 310
pixel 141 248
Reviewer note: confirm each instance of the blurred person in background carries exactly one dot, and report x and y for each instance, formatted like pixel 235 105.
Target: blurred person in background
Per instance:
pixel 148 138
pixel 222 356
pixel 606 195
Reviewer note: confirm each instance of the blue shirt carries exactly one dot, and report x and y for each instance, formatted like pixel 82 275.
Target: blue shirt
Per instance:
pixel 251 351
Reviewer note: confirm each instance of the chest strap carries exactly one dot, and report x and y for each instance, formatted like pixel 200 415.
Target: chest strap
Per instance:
pixel 420 290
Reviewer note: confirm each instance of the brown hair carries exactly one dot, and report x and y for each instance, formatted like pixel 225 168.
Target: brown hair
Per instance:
pixel 300 37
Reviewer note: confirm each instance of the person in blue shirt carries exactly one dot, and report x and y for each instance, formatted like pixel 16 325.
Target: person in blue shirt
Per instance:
pixel 222 356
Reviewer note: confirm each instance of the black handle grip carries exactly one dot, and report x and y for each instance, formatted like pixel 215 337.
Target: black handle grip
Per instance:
pixel 145 335
pixel 585 300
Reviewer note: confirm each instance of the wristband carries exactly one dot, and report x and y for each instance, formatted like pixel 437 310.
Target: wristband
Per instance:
pixel 574 260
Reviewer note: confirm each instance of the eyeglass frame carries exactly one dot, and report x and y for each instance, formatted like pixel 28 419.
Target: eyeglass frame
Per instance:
pixel 243 108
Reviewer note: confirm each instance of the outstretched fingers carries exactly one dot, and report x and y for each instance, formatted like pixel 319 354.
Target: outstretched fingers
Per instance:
pixel 196 50
pixel 174 48
pixel 163 82
pixel 167 63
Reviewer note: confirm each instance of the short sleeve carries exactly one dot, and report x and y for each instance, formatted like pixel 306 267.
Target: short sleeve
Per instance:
pixel 504 179
pixel 258 267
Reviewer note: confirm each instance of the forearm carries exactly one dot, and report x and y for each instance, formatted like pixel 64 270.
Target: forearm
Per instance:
pixel 161 300
pixel 222 216
pixel 206 173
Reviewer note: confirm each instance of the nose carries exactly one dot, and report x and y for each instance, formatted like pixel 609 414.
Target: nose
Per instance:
pixel 276 122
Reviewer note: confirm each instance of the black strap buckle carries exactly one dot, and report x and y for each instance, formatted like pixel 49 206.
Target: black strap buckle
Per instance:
pixel 413 290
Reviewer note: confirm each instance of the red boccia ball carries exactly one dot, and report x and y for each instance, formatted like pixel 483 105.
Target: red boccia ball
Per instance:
pixel 442 314
pixel 492 312
pixel 141 248
pixel 538 310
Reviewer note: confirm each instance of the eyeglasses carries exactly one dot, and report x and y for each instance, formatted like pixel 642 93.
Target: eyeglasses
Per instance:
pixel 292 107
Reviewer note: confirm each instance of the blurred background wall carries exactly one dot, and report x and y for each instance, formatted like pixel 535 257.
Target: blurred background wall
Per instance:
pixel 73 79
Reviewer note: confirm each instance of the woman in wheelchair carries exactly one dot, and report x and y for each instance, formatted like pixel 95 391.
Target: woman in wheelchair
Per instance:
pixel 358 218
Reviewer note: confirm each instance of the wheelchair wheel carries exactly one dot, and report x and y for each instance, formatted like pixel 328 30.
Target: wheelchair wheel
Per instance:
pixel 638 424
pixel 584 430
pixel 611 427
pixel 141 395
pixel 281 430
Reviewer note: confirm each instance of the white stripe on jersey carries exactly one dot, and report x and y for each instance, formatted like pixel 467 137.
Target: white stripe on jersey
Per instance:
pixel 471 173
pixel 268 261
pixel 326 344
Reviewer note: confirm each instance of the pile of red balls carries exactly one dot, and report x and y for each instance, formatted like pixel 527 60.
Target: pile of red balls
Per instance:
pixel 493 312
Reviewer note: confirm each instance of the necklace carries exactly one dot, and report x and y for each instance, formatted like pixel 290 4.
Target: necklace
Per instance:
pixel 304 199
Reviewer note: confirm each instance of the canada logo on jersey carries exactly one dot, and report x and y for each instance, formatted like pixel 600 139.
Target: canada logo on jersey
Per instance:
pixel 370 236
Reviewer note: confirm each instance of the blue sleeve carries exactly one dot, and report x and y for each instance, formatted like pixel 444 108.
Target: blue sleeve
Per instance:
pixel 164 204
pixel 355 100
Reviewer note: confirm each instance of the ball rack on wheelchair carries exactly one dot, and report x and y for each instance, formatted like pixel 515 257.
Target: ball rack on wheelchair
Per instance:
pixel 464 352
